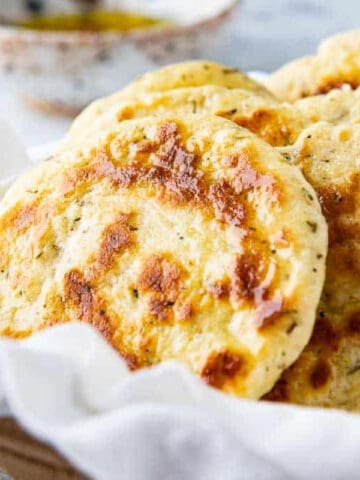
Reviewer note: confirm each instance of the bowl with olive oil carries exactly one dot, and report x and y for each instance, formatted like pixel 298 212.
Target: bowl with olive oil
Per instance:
pixel 62 54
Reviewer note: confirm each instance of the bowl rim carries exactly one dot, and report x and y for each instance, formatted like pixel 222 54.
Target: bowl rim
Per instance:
pixel 10 33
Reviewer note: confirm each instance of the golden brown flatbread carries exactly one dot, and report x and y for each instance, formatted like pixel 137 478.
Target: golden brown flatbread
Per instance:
pixel 179 238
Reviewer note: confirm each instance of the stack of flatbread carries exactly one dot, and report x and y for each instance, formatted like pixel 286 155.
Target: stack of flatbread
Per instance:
pixel 201 217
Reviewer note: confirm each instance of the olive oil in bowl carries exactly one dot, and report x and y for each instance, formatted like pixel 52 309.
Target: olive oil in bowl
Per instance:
pixel 94 21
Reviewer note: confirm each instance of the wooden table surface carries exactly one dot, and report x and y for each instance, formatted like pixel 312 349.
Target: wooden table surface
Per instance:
pixel 23 458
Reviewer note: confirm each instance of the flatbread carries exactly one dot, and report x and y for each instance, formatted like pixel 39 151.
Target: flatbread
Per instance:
pixel 179 238
pixel 327 374
pixel 278 124
pixel 341 105
pixel 194 74
pixel 336 63
pixel 172 77
pixel 294 80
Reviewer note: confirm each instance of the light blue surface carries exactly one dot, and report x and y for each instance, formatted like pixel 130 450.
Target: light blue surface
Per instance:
pixel 266 33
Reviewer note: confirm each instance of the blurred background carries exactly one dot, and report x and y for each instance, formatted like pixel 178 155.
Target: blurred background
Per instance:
pixel 264 34
pixel 259 35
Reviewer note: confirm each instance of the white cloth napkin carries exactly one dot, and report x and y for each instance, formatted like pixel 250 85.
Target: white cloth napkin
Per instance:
pixel 68 387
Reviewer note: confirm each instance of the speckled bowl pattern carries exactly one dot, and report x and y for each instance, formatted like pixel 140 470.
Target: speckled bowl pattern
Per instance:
pixel 61 72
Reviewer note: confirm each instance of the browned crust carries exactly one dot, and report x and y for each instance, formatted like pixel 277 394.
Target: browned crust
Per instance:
pixel 269 125
pixel 326 341
pixel 228 205
pixel 20 218
pixel 336 199
pixel 329 85
pixel 320 375
pixel 279 393
pixel 222 367
pixel 247 178
pixel 160 277
pixel 173 172
pixel 116 239
pixel 324 334
pixel 90 308
pixel 82 296
pixel 219 289
pixel 247 278
pixel 353 326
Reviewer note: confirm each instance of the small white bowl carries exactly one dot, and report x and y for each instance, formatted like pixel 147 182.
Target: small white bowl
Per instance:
pixel 63 71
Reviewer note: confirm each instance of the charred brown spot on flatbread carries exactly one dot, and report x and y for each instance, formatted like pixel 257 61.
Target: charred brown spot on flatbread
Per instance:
pixel 126 113
pixel 160 277
pixel 116 238
pixel 247 284
pixel 89 307
pixel 174 172
pixel 248 178
pixel 338 198
pixel 353 326
pixel 21 217
pixel 324 334
pixel 269 125
pixel 320 374
pixel 279 393
pixel 219 289
pixel 246 281
pixel 222 367
pixel 326 87
pixel 228 205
